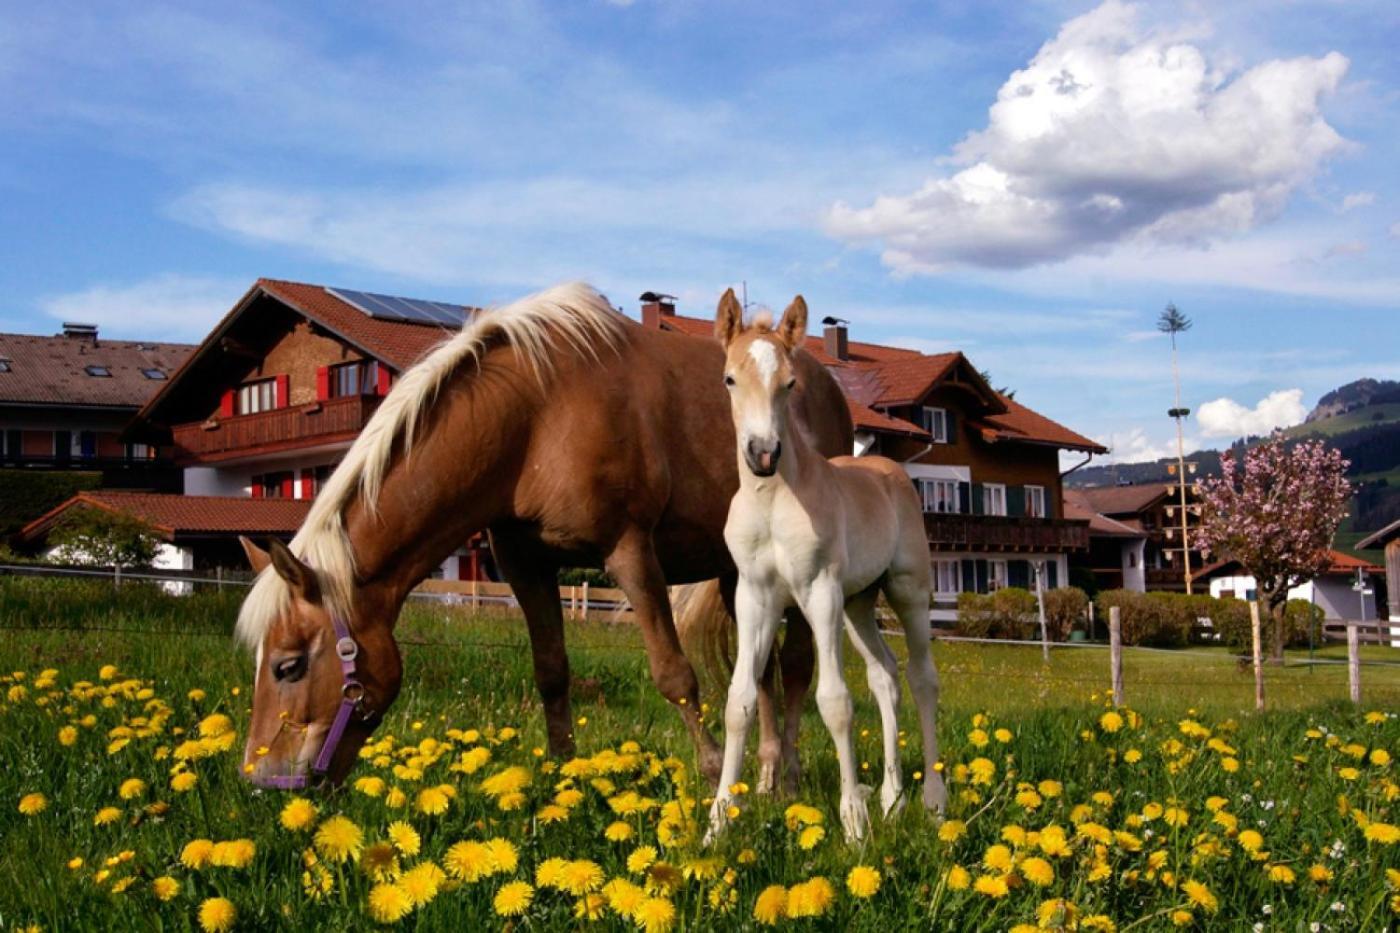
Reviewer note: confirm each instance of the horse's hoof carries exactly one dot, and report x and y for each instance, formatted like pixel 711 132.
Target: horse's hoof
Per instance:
pixel 767 779
pixel 891 799
pixel 855 817
pixel 935 794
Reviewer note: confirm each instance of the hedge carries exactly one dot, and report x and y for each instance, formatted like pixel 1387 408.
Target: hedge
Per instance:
pixel 27 494
pixel 1171 620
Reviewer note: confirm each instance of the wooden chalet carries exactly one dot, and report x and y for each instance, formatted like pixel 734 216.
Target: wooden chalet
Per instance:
pixel 1152 510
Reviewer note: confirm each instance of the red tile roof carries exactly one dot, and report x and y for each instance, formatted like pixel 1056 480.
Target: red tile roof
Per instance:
pixel 866 418
pixel 1341 565
pixel 53 370
pixel 1020 423
pixel 856 351
pixel 175 516
pixel 1077 506
pixel 1121 500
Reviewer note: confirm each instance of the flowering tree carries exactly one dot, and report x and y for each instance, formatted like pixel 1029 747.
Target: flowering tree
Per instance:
pixel 1276 514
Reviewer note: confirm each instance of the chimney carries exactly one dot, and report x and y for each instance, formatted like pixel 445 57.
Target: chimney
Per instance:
pixel 76 331
pixel 656 306
pixel 834 338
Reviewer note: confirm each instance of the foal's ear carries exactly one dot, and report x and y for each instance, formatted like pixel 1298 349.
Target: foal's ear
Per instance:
pixel 729 319
pixel 300 577
pixel 257 557
pixel 792 329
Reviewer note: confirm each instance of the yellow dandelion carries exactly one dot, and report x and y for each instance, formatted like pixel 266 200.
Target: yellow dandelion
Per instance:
pixel 641 859
pixel 548 872
pixel 298 814
pixel 994 886
pixel 959 878
pixel 184 781
pixel 863 881
pixel 1182 918
pixel 339 839
pixel 580 877
pixel 504 856
pixel 513 899
pixel 217 915
pixel 952 830
pixel 380 861
pixel 389 903
pixel 67 735
pixel 1384 833
pixel 106 816
pixel 469 861
pixel 1110 721
pixel 405 838
pixel 33 804
pixel 655 915
pixel 422 882
pixel 618 831
pixel 997 858
pixel 810 837
pixel 370 786
pixel 1282 874
pixel 432 801
pixel 1320 874
pixel 1038 871
pixel 1200 895
pixel 196 854
pixel 771 905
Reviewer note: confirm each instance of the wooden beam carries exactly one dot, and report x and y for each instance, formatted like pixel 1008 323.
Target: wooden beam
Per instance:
pixel 1392 576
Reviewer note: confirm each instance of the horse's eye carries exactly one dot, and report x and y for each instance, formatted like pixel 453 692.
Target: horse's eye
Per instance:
pixel 792 383
pixel 290 670
pixel 729 380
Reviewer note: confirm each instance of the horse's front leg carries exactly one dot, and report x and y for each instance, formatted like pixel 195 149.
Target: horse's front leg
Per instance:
pixel 634 566
pixel 756 619
pixel 824 606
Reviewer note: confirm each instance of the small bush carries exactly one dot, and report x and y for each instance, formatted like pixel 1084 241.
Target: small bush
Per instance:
pixel 1007 613
pixel 1230 618
pixel 1066 608
pixel 1160 620
pixel 103 539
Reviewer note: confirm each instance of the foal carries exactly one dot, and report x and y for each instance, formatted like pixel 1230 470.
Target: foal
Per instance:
pixel 826 536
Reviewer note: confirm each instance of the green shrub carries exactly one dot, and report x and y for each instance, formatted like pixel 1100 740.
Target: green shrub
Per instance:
pixel 1066 608
pixel 1230 619
pixel 1160 620
pixel 103 539
pixel 1007 613
pixel 27 494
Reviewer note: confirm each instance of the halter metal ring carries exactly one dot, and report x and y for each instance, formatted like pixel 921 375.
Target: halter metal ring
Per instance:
pixel 346 648
pixel 353 690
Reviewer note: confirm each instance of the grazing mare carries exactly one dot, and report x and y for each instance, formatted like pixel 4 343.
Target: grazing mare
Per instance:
pixel 826 536
pixel 577 438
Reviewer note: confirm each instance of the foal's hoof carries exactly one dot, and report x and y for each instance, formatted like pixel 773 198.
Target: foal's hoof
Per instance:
pixel 719 819
pixel 891 799
pixel 767 777
pixel 935 794
pixel 855 817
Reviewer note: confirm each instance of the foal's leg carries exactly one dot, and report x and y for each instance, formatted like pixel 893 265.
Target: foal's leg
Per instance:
pixel 535 583
pixel 796 659
pixel 770 737
pixel 882 674
pixel 756 619
pixel 908 596
pixel 823 605
pixel 634 566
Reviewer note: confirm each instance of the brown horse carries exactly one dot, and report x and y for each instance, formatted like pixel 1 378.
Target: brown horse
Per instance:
pixel 578 439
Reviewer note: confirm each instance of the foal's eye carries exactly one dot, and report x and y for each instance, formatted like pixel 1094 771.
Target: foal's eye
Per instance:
pixel 729 380
pixel 792 383
pixel 290 670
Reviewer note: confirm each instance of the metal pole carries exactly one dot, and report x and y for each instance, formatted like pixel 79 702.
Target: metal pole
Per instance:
pixel 1181 468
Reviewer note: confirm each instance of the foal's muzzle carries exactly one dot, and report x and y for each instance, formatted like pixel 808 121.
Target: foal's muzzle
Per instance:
pixel 763 458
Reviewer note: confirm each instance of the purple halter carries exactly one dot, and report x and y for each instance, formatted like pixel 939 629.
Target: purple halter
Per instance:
pixel 352 695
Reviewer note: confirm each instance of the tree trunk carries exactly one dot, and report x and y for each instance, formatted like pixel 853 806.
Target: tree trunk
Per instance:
pixel 1274 602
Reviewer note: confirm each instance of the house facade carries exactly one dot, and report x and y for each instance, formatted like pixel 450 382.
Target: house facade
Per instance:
pixel 1154 510
pixel 1333 591
pixel 986 467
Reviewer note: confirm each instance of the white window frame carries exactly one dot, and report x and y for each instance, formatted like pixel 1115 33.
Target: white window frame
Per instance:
pixel 994 498
pixel 256 397
pixel 940 495
pixel 1035 502
pixel 998 575
pixel 936 423
pixel 947 579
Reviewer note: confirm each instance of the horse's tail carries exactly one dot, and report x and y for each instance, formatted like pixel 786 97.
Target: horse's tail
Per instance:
pixel 702 622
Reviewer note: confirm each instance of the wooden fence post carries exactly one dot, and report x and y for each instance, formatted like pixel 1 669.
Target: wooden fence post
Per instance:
pixel 584 617
pixel 1257 641
pixel 1091 620
pixel 1040 609
pixel 1354 660
pixel 573 602
pixel 1115 652
pixel 117 575
pixel 476 596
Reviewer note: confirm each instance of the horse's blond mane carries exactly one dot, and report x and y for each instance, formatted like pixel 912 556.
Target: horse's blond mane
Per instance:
pixel 573 315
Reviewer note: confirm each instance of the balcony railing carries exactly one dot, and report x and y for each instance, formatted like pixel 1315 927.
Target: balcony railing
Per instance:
pixel 280 429
pixel 953 532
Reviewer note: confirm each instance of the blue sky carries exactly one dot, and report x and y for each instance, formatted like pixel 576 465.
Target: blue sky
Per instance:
pixel 1027 182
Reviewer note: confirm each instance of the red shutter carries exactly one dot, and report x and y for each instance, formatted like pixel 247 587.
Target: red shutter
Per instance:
pixel 226 404
pixel 257 487
pixel 287 486
pixel 323 383
pixel 308 484
pixel 282 390
pixel 382 376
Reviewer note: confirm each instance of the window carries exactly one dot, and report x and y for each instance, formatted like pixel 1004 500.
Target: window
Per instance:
pixel 994 499
pixel 100 372
pixel 935 422
pixel 947 578
pixel 140 452
pixel 1035 501
pixel 360 378
pixel 153 373
pixel 4 364
pixel 273 485
pixel 257 396
pixel 939 495
pixel 996 575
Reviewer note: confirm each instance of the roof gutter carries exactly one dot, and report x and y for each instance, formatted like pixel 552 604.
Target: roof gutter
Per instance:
pixel 1089 455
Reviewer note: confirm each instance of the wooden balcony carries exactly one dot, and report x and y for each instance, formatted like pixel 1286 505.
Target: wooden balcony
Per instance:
pixel 951 532
pixel 325 422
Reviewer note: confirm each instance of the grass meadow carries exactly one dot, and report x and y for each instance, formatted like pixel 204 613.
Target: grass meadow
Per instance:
pixel 121 804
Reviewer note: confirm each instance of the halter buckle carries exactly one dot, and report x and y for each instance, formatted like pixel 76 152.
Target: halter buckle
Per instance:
pixel 346 648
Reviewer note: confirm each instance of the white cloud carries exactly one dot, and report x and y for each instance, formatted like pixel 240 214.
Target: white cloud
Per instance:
pixel 1358 199
pixel 1225 417
pixel 168 307
pixel 1137 447
pixel 1111 134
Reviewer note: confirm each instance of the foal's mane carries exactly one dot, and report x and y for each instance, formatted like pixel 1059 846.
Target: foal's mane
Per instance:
pixel 572 317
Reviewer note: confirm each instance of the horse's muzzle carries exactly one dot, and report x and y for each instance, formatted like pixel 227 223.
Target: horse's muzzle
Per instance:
pixel 762 460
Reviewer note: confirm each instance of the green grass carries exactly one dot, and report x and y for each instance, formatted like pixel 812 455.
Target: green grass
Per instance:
pixel 1351 421
pixel 473 672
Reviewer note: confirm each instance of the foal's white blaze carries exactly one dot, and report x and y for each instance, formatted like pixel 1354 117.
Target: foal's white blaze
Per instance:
pixel 765 360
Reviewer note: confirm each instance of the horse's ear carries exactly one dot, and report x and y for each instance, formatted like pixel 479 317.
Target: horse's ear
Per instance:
pixel 792 329
pixel 257 557
pixel 300 577
pixel 729 319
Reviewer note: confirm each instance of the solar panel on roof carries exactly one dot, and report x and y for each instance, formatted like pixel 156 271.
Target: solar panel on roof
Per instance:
pixel 406 310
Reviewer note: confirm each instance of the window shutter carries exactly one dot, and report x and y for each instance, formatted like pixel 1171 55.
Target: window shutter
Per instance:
pixel 1018 573
pixel 1016 500
pixel 982 576
pixel 257 489
pixel 308 485
pixel 969 575
pixel 950 425
pixel 226 404
pixel 1049 502
pixel 323 383
pixel 282 387
pixel 979 499
pixel 1052 574
pixel 965 495
pixel 287 486
pixel 381 376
